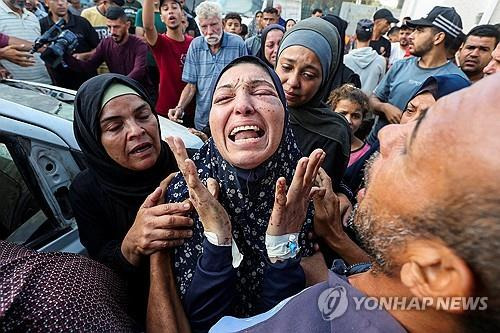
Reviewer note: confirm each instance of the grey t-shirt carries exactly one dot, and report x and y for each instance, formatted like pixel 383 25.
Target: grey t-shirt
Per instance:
pixel 402 81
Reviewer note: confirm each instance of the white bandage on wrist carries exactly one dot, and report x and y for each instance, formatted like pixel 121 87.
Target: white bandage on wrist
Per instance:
pixel 279 247
pixel 237 256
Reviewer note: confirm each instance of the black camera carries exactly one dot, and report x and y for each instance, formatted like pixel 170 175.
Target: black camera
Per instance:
pixel 59 43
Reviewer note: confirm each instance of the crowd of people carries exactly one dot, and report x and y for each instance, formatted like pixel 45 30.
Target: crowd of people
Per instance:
pixel 332 166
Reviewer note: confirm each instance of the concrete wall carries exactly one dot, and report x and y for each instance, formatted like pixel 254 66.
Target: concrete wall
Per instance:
pixel 471 12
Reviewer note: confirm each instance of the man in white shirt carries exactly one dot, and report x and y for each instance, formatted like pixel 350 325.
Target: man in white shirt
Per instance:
pixel 18 22
pixel 399 50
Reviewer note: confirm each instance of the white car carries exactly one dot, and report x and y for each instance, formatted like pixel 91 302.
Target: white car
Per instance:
pixel 39 158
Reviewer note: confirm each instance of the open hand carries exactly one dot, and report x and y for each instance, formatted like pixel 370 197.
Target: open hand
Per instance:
pixel 204 199
pixel 290 207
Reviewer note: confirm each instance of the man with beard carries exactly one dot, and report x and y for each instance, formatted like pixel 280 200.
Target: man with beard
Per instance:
pixel 399 50
pixel 87 42
pixel 429 43
pixel 475 53
pixel 170 51
pixel 123 53
pixel 96 15
pixel 429 223
pixel 208 54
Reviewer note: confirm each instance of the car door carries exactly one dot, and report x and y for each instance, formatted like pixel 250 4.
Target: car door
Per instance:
pixel 36 170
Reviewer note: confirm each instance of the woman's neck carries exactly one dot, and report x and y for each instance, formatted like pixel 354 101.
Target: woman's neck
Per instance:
pixel 356 143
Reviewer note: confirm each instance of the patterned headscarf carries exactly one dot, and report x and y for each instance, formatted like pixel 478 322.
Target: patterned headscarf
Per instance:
pixel 248 197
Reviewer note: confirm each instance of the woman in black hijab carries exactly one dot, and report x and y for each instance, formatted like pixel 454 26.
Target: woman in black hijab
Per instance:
pixel 118 132
pixel 345 74
pixel 269 48
pixel 309 58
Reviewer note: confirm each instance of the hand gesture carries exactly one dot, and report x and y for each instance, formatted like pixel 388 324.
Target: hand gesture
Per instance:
pixel 392 113
pixel 18 55
pixel 327 216
pixel 176 114
pixel 156 227
pixel 204 199
pixel 290 207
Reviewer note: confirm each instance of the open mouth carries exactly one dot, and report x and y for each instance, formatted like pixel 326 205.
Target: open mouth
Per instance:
pixel 141 148
pixel 246 133
pixel 172 18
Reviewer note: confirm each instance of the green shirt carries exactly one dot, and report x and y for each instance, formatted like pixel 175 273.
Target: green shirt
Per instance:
pixel 161 28
pixel 159 25
pixel 131 9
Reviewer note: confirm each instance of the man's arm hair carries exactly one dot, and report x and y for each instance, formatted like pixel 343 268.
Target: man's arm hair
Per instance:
pixel 148 23
pixel 165 312
pixel 19 41
pixel 187 95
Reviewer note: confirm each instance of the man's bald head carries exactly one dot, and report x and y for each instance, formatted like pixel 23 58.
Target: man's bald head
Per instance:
pixel 438 180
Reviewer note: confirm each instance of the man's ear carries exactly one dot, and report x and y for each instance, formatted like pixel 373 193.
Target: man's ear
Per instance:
pixel 430 269
pixel 439 38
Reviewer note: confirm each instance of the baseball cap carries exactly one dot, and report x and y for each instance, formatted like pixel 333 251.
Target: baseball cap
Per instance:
pixel 365 25
pixel 163 1
pixel 444 18
pixel 385 14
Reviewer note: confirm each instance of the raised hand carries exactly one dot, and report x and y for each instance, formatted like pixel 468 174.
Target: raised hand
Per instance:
pixel 156 227
pixel 204 199
pixel 290 207
pixel 327 215
pixel 328 221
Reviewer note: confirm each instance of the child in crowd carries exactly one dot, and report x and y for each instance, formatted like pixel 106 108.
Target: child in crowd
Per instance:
pixel 352 103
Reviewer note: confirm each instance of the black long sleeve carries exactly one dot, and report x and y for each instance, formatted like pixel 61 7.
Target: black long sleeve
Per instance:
pixel 212 290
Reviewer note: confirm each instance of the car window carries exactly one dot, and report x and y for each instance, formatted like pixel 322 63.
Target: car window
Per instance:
pixel 21 219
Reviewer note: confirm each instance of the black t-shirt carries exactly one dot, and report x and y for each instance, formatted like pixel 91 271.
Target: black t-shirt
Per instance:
pixel 382 46
pixel 87 36
pixel 87 41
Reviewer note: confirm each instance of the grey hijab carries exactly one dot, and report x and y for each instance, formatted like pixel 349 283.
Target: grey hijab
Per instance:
pixel 323 39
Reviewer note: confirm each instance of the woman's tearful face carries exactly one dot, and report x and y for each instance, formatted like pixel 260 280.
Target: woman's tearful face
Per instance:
pixel 247 116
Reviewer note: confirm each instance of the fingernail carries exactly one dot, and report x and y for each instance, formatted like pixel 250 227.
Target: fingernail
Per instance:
pixel 186 205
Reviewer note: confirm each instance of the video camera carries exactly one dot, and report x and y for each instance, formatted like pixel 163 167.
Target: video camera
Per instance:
pixel 61 43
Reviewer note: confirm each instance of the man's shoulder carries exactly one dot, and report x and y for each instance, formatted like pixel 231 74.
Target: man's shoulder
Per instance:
pixel 405 63
pixel 45 23
pixel 89 11
pixel 136 40
pixel 197 42
pixel 233 39
pixel 451 68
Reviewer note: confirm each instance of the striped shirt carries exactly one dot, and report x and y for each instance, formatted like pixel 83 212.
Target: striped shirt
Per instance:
pixel 25 26
pixel 202 68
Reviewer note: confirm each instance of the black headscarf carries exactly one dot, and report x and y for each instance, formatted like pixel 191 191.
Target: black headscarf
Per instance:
pixel 248 197
pixel 344 74
pixel 125 185
pixel 262 54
